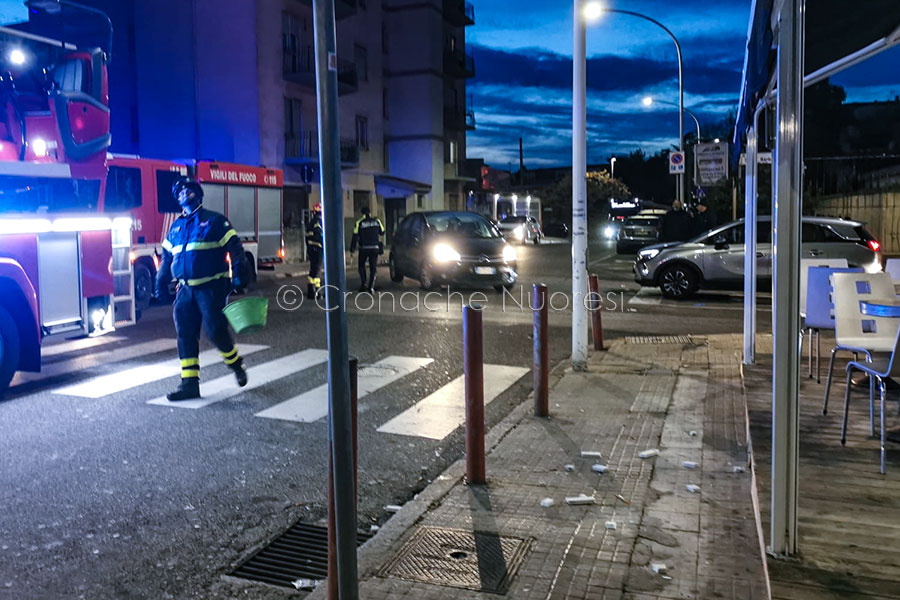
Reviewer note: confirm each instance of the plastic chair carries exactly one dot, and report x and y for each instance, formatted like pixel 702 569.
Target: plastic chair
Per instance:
pixel 820 305
pixel 880 367
pixel 805 265
pixel 892 268
pixel 859 333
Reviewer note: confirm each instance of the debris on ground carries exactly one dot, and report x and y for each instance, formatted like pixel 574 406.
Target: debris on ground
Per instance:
pixel 622 498
pixel 547 502
pixel 692 433
pixel 692 488
pixel 305 584
pixel 611 525
pixel 689 464
pixel 649 453
pixel 579 499
pixel 591 454
pixel 392 508
pixel 570 468
pixel 737 469
pixel 659 568
pixel 598 468
pixel 374 528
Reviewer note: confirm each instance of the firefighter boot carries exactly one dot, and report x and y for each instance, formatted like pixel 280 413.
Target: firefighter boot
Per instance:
pixel 240 373
pixel 188 389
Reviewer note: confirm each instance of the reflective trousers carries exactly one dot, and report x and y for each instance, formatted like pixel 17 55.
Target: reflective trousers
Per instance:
pixel 197 307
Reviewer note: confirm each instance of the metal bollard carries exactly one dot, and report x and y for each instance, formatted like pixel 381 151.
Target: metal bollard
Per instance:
pixel 541 367
pixel 473 365
pixel 596 312
pixel 332 542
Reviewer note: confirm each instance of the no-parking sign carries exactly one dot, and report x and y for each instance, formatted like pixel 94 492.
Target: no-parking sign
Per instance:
pixel 676 162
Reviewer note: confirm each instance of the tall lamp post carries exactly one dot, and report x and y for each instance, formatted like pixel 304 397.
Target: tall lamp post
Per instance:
pixel 593 11
pixel 649 101
pixel 612 167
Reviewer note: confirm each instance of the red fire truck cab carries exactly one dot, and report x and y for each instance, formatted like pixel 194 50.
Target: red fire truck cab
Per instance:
pixel 251 198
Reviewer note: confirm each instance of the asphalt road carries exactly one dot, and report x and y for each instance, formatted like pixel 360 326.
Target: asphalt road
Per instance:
pixel 105 495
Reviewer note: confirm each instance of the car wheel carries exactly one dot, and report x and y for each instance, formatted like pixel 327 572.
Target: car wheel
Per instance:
pixel 426 277
pixel 396 275
pixel 143 287
pixel 678 282
pixel 9 349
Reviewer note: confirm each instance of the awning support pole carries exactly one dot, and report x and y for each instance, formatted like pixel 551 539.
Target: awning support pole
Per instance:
pixel 786 211
pixel 751 192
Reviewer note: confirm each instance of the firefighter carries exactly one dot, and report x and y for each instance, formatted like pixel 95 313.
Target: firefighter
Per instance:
pixel 366 234
pixel 314 251
pixel 195 254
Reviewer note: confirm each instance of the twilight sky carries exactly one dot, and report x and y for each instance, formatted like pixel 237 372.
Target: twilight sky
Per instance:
pixel 523 66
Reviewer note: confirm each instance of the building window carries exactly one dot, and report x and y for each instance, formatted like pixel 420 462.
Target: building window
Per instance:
pixel 420 200
pixel 451 43
pixel 384 104
pixel 292 117
pixel 361 57
pixel 290 43
pixel 454 149
pixel 362 132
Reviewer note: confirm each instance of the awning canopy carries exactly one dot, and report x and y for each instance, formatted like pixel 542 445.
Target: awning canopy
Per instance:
pixel 838 35
pixel 395 187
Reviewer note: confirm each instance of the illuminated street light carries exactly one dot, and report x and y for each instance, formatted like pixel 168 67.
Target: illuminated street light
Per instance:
pixel 593 11
pixel 647 101
pixel 17 57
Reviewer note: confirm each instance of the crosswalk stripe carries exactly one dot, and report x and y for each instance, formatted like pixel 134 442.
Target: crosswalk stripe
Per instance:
pixel 87 361
pixel 438 415
pixel 76 345
pixel 260 375
pixel 313 405
pixel 104 385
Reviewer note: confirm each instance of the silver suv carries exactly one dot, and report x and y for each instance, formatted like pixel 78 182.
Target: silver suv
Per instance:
pixel 715 259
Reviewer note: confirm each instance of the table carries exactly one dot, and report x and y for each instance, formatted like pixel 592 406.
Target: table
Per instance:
pixel 880 308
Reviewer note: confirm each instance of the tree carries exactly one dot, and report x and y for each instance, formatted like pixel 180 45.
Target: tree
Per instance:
pixel 600 189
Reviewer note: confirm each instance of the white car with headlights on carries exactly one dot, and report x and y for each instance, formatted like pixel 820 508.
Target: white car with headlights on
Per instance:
pixel 442 248
pixel 521 229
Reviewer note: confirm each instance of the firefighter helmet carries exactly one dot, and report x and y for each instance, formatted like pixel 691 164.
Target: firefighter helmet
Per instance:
pixel 317 207
pixel 186 183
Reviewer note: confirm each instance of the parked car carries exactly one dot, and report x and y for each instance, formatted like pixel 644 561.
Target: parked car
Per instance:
pixel 637 232
pixel 522 229
pixel 440 248
pixel 556 229
pixel 715 259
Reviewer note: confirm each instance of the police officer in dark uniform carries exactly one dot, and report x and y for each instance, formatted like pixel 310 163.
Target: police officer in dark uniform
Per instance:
pixel 314 251
pixel 195 253
pixel 366 234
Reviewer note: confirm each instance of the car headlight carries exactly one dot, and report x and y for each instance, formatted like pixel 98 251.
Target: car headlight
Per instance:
pixel 509 254
pixel 648 254
pixel 609 232
pixel 445 253
pixel 519 232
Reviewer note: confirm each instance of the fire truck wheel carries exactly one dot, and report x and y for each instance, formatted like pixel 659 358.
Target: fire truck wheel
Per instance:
pixel 143 287
pixel 9 349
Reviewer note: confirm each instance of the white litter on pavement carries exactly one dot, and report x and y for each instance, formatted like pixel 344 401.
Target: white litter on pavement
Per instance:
pixel 611 525
pixel 689 464
pixel 692 433
pixel 305 584
pixel 392 508
pixel 649 453
pixel 570 468
pixel 373 528
pixel 659 567
pixel 547 502
pixel 737 469
pixel 692 488
pixel 579 499
pixel 591 454
pixel 598 468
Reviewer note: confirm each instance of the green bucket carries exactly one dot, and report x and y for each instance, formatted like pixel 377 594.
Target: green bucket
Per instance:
pixel 247 314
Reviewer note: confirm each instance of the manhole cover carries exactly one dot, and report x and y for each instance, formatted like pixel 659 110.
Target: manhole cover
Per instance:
pixel 484 562
pixel 659 339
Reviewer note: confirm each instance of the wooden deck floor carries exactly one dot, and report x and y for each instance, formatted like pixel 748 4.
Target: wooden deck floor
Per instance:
pixel 849 520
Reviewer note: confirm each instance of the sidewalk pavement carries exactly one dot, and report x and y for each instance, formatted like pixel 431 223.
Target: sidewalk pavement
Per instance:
pixel 646 536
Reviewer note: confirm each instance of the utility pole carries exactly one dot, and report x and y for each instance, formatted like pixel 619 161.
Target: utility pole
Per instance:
pixel 340 432
pixel 579 191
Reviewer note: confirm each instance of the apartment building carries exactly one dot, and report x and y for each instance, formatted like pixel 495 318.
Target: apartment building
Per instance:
pixel 234 80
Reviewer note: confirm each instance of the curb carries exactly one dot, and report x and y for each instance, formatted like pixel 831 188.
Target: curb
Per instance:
pixel 373 554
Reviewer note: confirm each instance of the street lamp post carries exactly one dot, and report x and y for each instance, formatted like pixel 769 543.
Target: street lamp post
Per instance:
pixel 612 167
pixel 649 100
pixel 583 11
pixel 593 11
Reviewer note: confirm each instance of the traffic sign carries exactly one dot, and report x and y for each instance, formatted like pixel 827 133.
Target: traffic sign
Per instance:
pixel 676 162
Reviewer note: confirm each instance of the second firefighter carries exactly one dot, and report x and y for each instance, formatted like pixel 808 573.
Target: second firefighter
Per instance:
pixel 367 235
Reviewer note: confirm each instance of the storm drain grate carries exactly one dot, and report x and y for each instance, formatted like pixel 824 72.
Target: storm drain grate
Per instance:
pixel 301 552
pixel 480 561
pixel 659 339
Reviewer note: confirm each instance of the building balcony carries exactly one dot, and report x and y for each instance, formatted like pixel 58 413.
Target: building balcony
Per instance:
pixel 459 120
pixel 459 13
pixel 303 149
pixel 458 64
pixel 342 8
pixel 299 66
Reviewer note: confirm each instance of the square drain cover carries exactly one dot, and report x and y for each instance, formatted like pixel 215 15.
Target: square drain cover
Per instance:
pixel 477 561
pixel 658 339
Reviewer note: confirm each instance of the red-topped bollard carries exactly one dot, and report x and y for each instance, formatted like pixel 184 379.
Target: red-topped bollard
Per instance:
pixel 596 308
pixel 541 367
pixel 332 541
pixel 473 365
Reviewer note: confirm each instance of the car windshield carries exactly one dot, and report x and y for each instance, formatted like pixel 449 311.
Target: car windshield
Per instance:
pixel 462 224
pixel 520 219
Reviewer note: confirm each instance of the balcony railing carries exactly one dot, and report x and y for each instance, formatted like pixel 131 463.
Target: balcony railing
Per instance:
pixel 456 119
pixel 303 149
pixel 299 66
pixel 459 12
pixel 459 64
pixel 342 8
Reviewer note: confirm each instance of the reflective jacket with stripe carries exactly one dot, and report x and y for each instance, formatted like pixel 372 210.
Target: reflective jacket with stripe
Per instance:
pixel 366 234
pixel 195 250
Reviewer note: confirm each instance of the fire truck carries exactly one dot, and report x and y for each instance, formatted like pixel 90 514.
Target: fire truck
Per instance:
pixel 251 198
pixel 64 268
